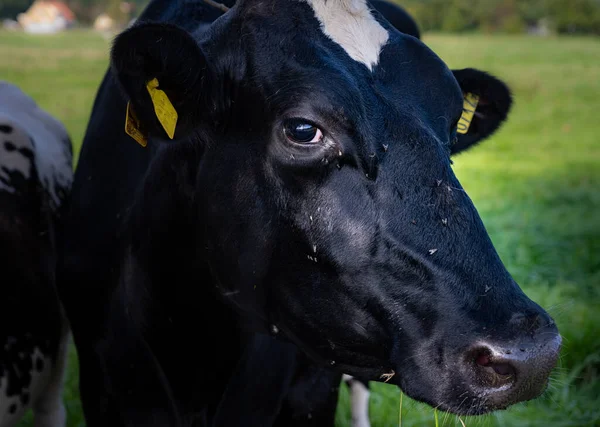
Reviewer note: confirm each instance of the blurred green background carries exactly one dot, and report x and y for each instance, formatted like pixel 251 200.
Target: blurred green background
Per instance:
pixel 513 16
pixel 536 184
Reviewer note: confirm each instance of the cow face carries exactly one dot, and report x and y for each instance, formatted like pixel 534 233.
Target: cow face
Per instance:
pixel 327 201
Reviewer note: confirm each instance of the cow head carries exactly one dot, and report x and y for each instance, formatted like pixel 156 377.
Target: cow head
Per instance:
pixel 327 199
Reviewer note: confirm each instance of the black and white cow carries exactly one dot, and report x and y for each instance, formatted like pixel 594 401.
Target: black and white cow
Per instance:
pixel 307 192
pixel 35 177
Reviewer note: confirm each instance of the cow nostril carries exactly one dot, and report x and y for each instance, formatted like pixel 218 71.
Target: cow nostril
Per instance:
pixel 491 370
pixel 503 369
pixel 485 360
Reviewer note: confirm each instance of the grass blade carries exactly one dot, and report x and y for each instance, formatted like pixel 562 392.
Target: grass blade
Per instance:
pixel 400 410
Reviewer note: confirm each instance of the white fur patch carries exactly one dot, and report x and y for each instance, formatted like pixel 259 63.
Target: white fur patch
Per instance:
pixel 48 406
pixel 12 159
pixel 10 418
pixel 360 405
pixel 350 24
pixel 6 418
pixel 52 152
pixel 359 398
pixel 45 390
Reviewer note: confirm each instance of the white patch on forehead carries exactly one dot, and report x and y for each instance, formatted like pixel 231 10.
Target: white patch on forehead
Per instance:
pixel 51 143
pixel 350 24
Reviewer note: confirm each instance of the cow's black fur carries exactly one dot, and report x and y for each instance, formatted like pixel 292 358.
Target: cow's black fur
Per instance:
pixel 364 252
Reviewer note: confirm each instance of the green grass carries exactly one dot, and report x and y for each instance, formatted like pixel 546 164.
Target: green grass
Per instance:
pixel 536 185
pixel 61 72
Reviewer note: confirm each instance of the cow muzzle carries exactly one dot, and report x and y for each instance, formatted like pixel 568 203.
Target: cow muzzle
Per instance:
pixel 501 374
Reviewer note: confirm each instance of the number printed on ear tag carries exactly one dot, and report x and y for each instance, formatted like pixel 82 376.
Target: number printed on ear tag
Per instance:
pixel 469 106
pixel 165 112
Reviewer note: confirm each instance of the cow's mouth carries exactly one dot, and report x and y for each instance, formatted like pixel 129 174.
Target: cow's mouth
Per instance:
pixel 376 372
pixel 370 368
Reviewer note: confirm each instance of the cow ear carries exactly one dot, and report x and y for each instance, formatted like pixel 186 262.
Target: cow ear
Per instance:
pixel 493 102
pixel 164 74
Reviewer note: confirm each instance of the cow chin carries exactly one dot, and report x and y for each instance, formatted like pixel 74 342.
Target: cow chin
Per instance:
pixel 448 393
pixel 444 391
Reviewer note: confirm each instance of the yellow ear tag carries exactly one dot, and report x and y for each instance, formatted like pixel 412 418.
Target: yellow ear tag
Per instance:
pixel 469 106
pixel 132 127
pixel 162 106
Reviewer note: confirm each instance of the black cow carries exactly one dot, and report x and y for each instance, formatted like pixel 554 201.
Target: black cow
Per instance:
pixel 305 189
pixel 35 176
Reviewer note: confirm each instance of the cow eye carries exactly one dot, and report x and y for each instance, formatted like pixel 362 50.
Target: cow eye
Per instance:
pixel 302 132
